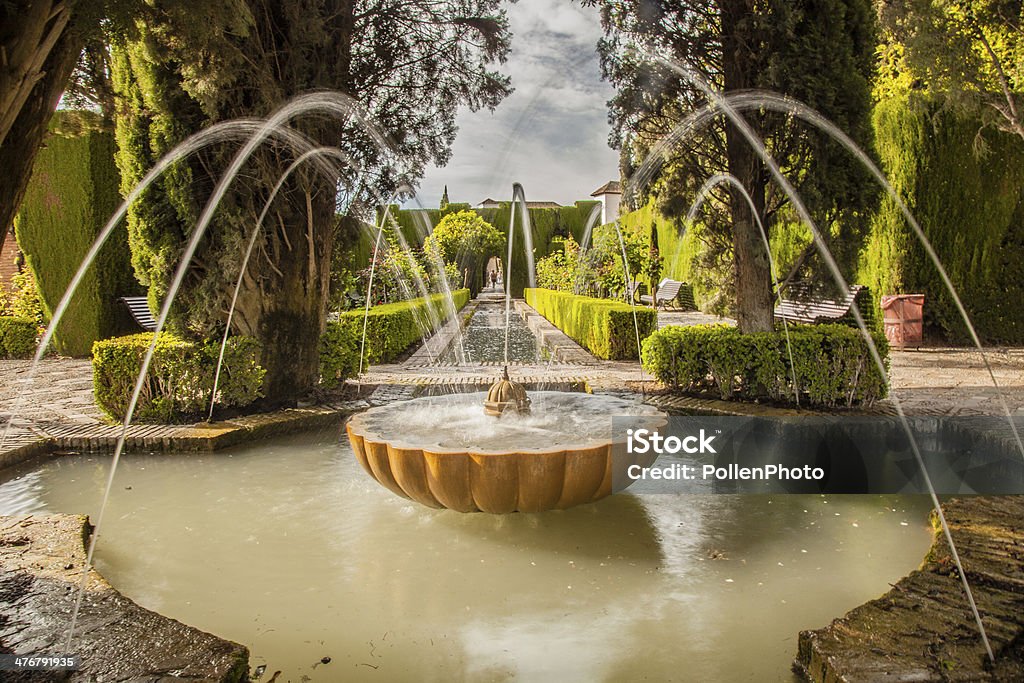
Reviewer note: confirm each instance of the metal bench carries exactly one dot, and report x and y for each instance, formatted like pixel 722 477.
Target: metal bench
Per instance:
pixel 138 306
pixel 802 304
pixel 670 291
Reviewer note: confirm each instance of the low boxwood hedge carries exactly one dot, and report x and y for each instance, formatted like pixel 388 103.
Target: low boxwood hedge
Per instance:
pixel 604 327
pixel 833 364
pixel 17 337
pixel 180 378
pixel 390 330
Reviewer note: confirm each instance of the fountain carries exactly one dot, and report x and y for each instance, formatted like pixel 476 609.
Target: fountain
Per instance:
pixel 503 458
pixel 445 456
pixel 499 452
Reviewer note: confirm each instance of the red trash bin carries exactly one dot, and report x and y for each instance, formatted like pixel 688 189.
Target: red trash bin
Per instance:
pixel 904 319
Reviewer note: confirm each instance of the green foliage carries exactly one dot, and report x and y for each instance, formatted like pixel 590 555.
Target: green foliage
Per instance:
pixel 561 270
pixel 408 67
pixel 970 51
pixel 833 363
pixel 970 205
pixel 736 46
pixel 654 263
pixel 17 337
pixel 604 327
pixel 180 379
pixel 688 254
pixel 548 227
pixel 394 274
pixel 464 232
pixel 390 330
pixel 72 194
pixel 339 351
pixel 604 258
pixel 465 239
pixel 600 271
pixel 23 301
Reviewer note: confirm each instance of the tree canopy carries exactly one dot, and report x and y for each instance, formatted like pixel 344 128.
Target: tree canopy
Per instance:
pixel 818 51
pixel 184 65
pixel 40 43
pixel 969 51
pixel 465 239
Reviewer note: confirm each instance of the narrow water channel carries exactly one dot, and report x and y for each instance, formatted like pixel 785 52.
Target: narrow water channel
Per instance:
pixel 484 337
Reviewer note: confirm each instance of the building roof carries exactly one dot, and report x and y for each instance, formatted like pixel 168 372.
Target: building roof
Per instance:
pixel 529 205
pixel 611 187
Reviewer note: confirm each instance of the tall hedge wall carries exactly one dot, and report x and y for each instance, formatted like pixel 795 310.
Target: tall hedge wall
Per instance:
pixel 72 194
pixel 545 224
pixel 965 185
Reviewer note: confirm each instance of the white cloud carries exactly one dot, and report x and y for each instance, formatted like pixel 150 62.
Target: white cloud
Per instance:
pixel 551 133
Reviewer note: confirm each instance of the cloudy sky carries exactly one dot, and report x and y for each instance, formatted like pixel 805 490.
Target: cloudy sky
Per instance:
pixel 551 133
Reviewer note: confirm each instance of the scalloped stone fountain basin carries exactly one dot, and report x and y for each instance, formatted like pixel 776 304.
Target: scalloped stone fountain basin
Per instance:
pixel 444 452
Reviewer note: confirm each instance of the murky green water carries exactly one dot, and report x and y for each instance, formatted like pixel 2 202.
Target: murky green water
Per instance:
pixel 289 548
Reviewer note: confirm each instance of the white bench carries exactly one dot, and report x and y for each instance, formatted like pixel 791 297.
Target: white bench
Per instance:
pixel 668 291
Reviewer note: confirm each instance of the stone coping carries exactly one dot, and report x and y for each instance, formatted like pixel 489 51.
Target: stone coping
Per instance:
pixel 41 564
pixel 923 630
pixel 28 441
pixel 200 437
pixel 557 343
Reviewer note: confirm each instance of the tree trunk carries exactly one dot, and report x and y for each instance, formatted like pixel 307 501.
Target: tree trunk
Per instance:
pixel 754 303
pixel 36 62
pixel 285 306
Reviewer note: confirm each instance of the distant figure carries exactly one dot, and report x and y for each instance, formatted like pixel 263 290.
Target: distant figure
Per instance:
pixel 494 279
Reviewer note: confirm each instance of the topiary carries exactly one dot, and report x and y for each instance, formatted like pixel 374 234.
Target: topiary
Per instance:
pixel 17 337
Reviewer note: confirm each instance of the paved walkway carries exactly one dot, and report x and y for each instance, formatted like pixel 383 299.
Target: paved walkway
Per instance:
pixel 955 381
pixel 934 381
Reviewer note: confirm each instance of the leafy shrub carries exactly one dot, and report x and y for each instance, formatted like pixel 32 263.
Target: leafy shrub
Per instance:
pixel 561 270
pixel 180 378
pixel 390 330
pixel 17 337
pixel 604 327
pixel 833 363
pixel 339 352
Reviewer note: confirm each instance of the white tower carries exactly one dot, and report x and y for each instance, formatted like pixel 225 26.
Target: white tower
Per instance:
pixel 609 195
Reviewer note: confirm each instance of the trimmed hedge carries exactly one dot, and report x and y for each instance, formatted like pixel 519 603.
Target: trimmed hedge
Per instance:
pixel 834 366
pixel 969 203
pixel 72 194
pixel 339 352
pixel 603 326
pixel 390 330
pixel 17 337
pixel 180 378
